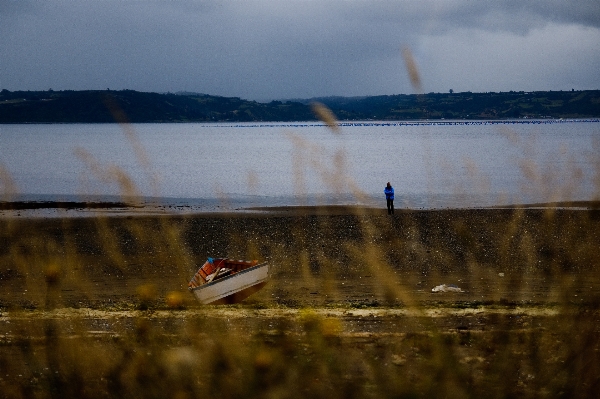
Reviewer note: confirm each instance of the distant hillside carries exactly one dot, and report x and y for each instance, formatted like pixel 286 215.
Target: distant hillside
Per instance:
pixel 137 107
pixel 107 106
pixel 510 105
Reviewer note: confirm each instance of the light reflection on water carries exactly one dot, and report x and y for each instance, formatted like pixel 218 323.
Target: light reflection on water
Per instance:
pixel 214 165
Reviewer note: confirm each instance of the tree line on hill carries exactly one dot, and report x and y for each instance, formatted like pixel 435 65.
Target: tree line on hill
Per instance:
pixel 128 106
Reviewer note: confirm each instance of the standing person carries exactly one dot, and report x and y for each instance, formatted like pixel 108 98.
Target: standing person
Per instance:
pixel 389 196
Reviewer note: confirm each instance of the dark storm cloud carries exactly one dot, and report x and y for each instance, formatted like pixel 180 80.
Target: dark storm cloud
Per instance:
pixel 581 12
pixel 283 49
pixel 517 16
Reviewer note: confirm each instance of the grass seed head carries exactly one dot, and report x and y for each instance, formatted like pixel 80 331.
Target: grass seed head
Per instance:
pixel 175 300
pixel 52 273
pixel 146 292
pixel 326 115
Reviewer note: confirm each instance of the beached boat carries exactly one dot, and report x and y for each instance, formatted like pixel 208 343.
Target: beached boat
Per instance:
pixel 222 280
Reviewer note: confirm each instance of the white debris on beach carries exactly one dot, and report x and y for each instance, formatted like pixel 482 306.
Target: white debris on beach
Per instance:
pixel 446 288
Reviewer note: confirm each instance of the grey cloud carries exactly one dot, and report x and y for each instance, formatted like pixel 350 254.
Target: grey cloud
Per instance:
pixel 517 16
pixel 262 49
pixel 578 12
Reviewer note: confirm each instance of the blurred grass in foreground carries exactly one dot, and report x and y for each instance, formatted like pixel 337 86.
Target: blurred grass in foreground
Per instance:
pixel 97 307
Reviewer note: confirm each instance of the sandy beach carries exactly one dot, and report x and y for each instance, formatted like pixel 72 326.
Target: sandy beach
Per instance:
pixel 365 277
pixel 422 248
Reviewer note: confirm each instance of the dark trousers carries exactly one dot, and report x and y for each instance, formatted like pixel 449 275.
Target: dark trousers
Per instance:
pixel 390 206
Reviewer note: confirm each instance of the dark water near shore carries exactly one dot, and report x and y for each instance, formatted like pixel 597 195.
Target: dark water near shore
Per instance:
pixel 431 165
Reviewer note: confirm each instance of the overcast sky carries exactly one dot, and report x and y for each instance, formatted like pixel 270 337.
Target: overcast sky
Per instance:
pixel 263 50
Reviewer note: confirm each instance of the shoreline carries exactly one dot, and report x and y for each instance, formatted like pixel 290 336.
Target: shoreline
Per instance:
pixel 76 209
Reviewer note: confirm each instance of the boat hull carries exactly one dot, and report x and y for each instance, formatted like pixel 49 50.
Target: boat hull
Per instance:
pixel 233 288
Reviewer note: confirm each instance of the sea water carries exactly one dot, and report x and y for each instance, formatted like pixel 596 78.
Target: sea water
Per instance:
pixel 430 164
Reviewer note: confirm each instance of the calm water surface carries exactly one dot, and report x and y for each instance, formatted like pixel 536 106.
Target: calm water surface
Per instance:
pixel 430 165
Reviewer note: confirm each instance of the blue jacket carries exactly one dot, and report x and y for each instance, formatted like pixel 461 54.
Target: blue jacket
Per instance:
pixel 389 193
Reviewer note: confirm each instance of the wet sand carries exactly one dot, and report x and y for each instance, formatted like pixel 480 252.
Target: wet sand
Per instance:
pixel 109 256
